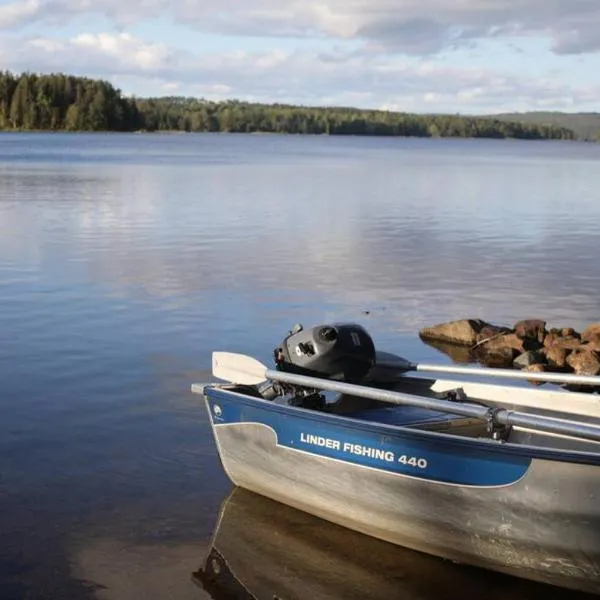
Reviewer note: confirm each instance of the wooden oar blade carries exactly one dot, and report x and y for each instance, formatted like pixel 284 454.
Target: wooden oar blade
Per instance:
pixel 237 368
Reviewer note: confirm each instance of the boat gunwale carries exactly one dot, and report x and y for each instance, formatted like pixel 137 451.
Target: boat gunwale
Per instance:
pixel 439 437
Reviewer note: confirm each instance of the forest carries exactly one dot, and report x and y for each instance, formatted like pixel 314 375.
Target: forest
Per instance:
pixel 585 125
pixel 61 102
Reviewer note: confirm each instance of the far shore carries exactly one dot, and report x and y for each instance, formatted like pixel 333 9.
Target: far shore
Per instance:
pixel 282 133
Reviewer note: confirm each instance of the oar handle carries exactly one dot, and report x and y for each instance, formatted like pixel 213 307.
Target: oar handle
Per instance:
pixel 548 424
pixel 510 374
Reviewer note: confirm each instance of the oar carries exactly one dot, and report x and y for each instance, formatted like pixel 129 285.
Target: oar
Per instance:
pixel 242 369
pixel 399 364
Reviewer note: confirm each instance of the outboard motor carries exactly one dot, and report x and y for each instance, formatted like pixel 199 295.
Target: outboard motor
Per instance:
pixel 342 351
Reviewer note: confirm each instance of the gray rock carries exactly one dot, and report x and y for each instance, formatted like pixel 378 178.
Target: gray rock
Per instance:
pixel 527 359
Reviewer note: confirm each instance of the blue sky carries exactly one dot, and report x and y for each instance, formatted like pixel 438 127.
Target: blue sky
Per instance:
pixel 457 56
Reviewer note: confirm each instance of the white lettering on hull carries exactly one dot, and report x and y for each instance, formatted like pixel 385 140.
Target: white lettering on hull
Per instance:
pixel 360 450
pixel 317 440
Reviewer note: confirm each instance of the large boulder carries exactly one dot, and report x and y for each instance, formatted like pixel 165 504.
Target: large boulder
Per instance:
pixel 584 362
pixel 531 329
pixel 462 332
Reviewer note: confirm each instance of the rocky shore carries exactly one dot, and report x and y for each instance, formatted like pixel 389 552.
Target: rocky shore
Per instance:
pixel 527 345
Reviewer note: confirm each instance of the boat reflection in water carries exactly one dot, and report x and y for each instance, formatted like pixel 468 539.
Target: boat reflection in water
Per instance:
pixel 262 549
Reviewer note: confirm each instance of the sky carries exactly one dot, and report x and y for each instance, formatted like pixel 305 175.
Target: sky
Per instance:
pixel 451 56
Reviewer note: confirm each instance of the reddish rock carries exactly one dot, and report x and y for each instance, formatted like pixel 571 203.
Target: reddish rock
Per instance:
pixel 492 331
pixel 511 340
pixel 457 332
pixel 535 368
pixel 592 333
pixel 556 356
pixel 584 362
pixel 569 332
pixel 568 343
pixel 505 341
pixel 593 345
pixel 532 329
pixel 551 337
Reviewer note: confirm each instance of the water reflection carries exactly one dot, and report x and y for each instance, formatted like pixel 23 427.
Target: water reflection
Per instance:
pixel 430 231
pixel 264 550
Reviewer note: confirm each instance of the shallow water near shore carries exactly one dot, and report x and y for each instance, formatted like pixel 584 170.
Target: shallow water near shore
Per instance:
pixel 125 260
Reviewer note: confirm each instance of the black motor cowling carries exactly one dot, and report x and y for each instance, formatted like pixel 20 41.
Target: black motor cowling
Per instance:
pixel 343 351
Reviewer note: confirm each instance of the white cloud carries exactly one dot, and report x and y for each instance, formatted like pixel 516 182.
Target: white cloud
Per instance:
pixel 411 26
pixel 352 78
pixel 19 13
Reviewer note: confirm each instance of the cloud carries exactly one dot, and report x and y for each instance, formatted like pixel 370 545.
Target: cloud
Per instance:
pixel 310 77
pixel 408 26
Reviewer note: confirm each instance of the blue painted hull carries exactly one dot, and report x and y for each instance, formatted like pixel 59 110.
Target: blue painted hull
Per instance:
pixel 531 512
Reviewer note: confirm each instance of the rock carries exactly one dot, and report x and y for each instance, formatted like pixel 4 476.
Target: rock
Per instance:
pixel 457 332
pixel 551 337
pixel 527 359
pixel 592 333
pixel 501 358
pixel 593 345
pixel 510 340
pixel 556 356
pixel 535 368
pixel 532 329
pixel 584 362
pixel 570 343
pixel 491 331
pixel 569 332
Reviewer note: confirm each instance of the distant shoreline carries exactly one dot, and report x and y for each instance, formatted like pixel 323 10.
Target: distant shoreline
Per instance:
pixel 175 132
pixel 59 102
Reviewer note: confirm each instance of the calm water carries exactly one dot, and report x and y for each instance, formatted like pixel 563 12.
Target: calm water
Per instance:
pixel 126 259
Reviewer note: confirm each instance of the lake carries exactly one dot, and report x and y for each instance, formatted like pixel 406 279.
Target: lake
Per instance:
pixel 125 260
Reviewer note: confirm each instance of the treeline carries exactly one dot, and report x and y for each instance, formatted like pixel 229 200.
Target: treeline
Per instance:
pixel 586 126
pixel 59 102
pixel 63 102
pixel 191 114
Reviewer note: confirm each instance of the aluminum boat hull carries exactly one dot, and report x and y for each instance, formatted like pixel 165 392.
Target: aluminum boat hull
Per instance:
pixel 527 511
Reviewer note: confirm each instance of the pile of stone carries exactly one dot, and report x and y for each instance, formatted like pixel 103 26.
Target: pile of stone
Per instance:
pixel 528 345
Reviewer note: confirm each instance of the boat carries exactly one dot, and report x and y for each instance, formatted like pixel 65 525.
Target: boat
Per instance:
pixel 262 549
pixel 499 477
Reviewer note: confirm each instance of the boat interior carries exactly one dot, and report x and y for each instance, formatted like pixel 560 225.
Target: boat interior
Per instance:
pixel 407 416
